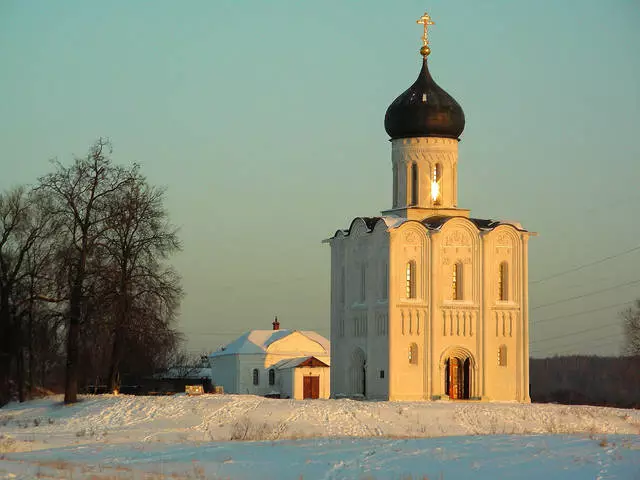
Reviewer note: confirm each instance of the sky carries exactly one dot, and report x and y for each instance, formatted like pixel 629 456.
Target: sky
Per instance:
pixel 264 120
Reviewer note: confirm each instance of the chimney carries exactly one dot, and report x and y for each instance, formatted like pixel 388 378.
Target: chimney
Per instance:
pixel 276 324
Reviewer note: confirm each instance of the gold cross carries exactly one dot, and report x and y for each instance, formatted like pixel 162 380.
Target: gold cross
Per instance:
pixel 426 21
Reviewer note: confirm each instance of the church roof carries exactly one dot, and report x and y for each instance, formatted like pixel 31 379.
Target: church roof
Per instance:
pixel 433 223
pixel 299 361
pixel 424 110
pixel 258 341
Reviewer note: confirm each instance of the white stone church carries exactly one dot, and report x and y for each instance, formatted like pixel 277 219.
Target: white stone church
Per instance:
pixel 428 302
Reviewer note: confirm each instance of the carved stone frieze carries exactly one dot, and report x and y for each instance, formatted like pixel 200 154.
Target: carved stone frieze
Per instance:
pixel 457 238
pixel 411 238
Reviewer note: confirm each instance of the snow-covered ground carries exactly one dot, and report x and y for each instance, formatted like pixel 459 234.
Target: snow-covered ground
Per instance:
pixel 128 437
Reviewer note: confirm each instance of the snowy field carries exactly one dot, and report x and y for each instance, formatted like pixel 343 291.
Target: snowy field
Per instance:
pixel 236 437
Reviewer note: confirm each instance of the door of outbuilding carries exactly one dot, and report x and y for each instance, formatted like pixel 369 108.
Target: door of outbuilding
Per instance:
pixel 310 386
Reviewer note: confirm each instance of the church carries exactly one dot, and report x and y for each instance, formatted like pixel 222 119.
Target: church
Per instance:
pixel 428 302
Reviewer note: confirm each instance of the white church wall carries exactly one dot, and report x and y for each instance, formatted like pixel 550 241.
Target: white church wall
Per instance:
pixel 506 336
pixel 456 323
pixel 223 371
pixel 363 257
pixel 338 307
pixel 285 382
pixel 408 316
pixel 377 340
pixel 247 363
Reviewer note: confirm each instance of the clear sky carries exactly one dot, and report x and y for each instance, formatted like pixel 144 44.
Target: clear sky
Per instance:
pixel 265 122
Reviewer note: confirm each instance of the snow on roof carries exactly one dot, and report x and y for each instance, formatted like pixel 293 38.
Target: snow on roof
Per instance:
pixel 257 341
pixel 316 337
pixel 294 362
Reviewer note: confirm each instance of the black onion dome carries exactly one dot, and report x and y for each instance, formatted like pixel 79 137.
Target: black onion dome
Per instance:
pixel 424 110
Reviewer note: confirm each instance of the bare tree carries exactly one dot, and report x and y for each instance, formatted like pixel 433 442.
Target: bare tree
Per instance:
pixel 631 320
pixel 21 226
pixel 137 242
pixel 80 194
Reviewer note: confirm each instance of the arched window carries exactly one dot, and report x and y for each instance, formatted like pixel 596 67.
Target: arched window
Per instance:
pixel 411 279
pixel 502 355
pixel 456 282
pixel 256 376
pixel 272 376
pixel 503 282
pixel 414 184
pixel 413 354
pixel 436 184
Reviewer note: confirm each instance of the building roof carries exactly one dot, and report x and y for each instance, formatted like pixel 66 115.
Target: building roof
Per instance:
pixel 433 223
pixel 299 361
pixel 258 341
pixel 424 110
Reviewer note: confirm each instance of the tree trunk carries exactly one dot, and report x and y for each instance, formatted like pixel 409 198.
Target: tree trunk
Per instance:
pixel 114 367
pixel 73 337
pixel 30 350
pixel 6 334
pixel 121 317
pixel 20 373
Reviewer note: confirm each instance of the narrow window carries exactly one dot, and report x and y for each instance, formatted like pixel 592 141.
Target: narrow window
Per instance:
pixel 256 376
pixel 381 373
pixel 503 281
pixel 414 184
pixel 395 186
pixel 343 286
pixel 413 354
pixel 436 184
pixel 502 355
pixel 363 283
pixel 384 289
pixel 456 282
pixel 272 376
pixel 411 279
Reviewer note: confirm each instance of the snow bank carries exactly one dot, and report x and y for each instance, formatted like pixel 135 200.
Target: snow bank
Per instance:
pixel 111 419
pixel 477 457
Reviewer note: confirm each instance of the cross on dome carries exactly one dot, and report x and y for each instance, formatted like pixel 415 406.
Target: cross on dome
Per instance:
pixel 426 22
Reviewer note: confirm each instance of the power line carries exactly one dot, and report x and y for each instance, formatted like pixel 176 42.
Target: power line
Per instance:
pixel 557 302
pixel 543 349
pixel 220 334
pixel 605 344
pixel 590 264
pixel 593 329
pixel 584 312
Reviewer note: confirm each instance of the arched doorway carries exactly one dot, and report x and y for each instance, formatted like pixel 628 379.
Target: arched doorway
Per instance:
pixel 457 368
pixel 357 373
pixel 457 378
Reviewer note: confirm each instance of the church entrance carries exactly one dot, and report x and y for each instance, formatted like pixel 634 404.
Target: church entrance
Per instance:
pixel 457 378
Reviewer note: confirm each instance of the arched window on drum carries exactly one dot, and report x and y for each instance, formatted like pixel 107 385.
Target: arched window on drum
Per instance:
pixel 503 282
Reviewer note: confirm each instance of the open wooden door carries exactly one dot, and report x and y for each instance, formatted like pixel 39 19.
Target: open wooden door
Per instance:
pixel 454 378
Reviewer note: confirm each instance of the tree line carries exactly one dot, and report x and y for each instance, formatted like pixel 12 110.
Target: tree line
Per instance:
pixel 586 380
pixel 86 291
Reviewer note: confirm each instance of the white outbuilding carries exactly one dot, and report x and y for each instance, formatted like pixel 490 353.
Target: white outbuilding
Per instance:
pixel 285 363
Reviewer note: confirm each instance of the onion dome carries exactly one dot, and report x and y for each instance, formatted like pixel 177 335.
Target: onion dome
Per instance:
pixel 424 110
